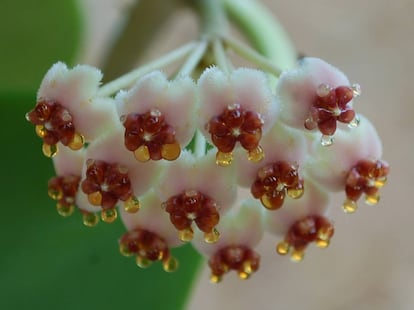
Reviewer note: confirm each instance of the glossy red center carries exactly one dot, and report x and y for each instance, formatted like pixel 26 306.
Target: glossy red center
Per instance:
pixel 235 124
pixel 330 106
pixel 274 181
pixel 149 129
pixel 106 183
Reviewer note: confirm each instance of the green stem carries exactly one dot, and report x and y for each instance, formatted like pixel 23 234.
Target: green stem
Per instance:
pixel 212 16
pixel 252 55
pixel 263 31
pixel 129 78
pixel 193 59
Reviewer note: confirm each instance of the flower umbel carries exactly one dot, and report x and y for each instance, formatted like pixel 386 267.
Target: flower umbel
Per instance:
pixel 176 157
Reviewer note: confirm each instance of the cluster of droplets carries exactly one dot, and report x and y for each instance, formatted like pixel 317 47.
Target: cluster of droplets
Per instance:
pixel 192 206
pixel 241 259
pixel 149 136
pixel 312 228
pixel 147 247
pixel 330 106
pixel 366 177
pixel 243 116
pixel 232 126
pixel 54 124
pixel 274 182
pixel 63 190
pixel 106 184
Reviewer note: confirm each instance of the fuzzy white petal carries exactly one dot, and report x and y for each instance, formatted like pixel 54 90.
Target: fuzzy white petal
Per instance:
pixel 296 88
pixel 153 218
pixel 240 226
pixel 200 174
pixel 314 201
pixel 280 144
pixel 330 165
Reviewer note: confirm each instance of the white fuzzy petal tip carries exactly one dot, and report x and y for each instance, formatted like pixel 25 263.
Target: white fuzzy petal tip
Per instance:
pixel 297 88
pixel 76 91
pixel 176 100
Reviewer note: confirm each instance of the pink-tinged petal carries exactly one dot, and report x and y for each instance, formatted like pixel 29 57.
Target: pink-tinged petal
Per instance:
pixel 145 95
pixel 169 105
pixel 281 143
pixel 216 94
pixel 92 118
pixel 314 201
pixel 180 107
pixel 110 148
pixel 329 166
pixel 70 86
pixel 252 92
pixel 242 225
pixel 297 88
pixel 153 218
pixel 68 162
pixel 75 90
pixel 199 174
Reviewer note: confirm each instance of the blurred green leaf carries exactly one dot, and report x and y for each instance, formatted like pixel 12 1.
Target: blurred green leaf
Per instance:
pixel 34 34
pixel 49 262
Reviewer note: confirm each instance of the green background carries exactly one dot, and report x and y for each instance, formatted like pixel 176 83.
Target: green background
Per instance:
pixel 47 261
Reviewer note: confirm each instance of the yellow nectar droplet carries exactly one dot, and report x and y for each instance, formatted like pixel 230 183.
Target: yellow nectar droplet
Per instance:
pixel 49 150
pixel 109 215
pixel 65 210
pixel 170 151
pixel 224 159
pixel 256 155
pixel 40 131
pixel 55 194
pixel 142 153
pixel 124 250
pixel 95 198
pixel 349 206
pixel 267 203
pixel 380 182
pixel 243 275
pixel 186 234
pixel 212 236
pixel 132 205
pixel 247 267
pixel 215 278
pixel 372 200
pixel 322 243
pixel 90 219
pixel 297 256
pixel 170 265
pixel 77 142
pixel 143 262
pixel 283 248
pixel 161 255
pixel 295 193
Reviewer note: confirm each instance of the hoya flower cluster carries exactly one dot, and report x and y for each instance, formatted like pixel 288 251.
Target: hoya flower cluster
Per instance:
pixel 216 160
